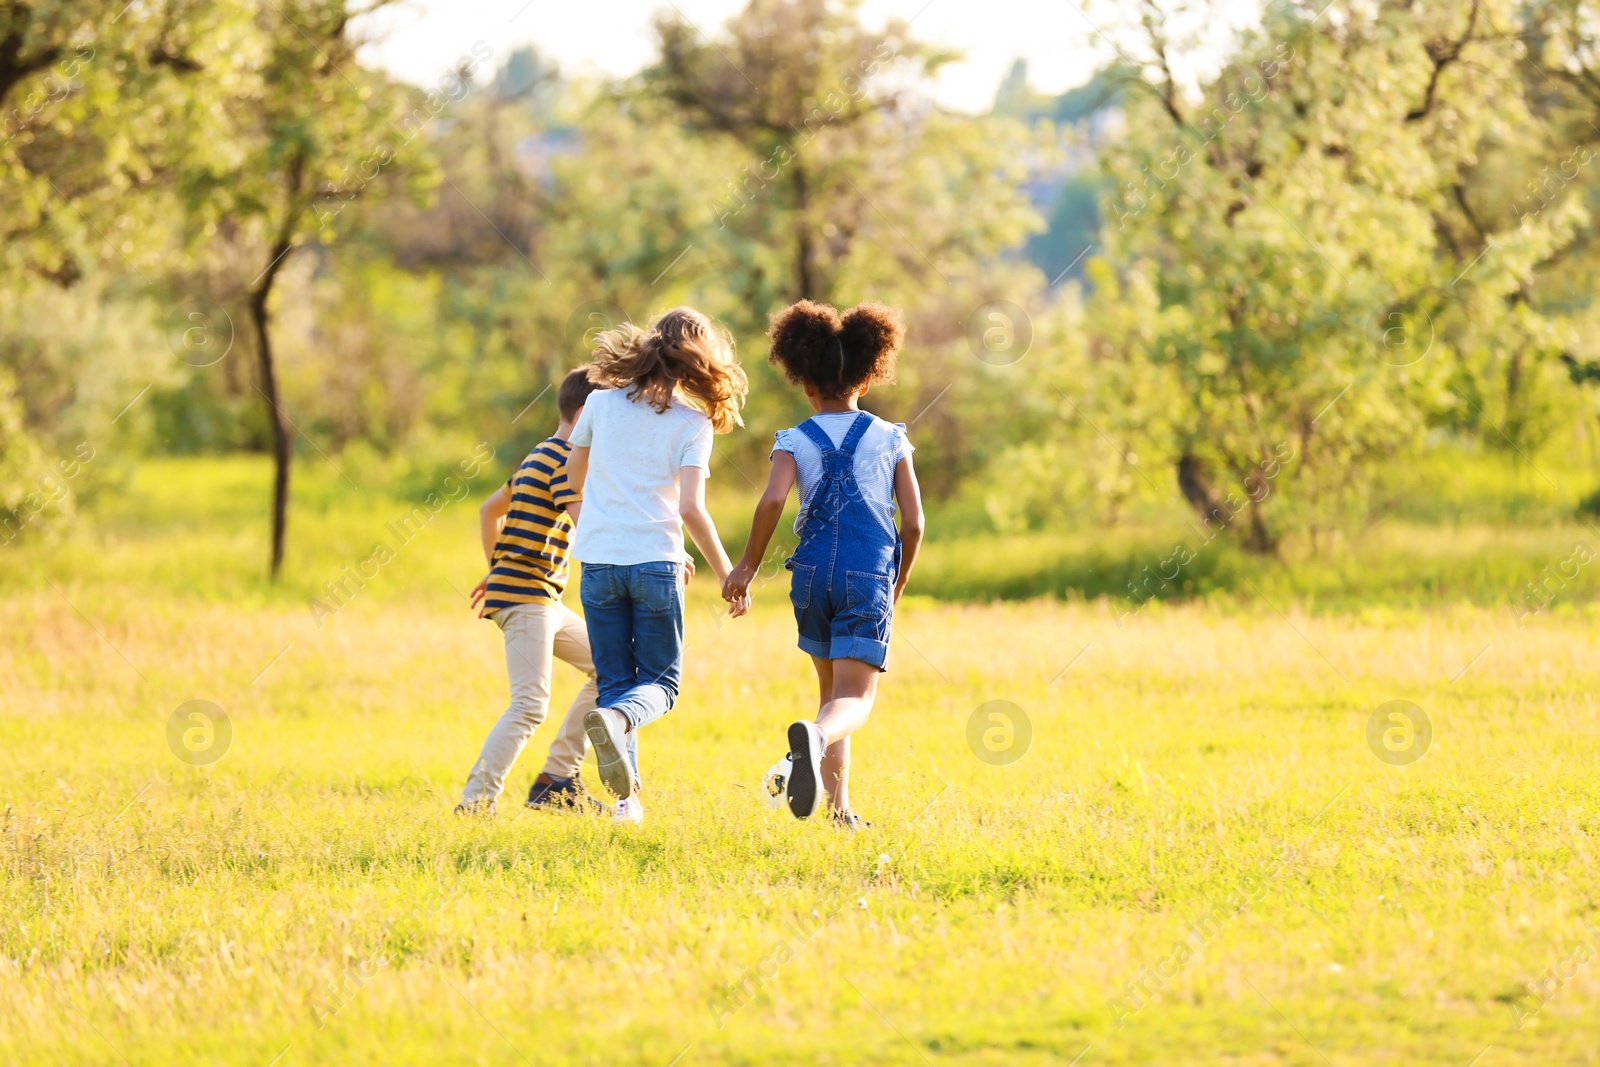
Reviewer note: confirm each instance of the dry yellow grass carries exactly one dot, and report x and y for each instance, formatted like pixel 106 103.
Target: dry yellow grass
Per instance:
pixel 311 897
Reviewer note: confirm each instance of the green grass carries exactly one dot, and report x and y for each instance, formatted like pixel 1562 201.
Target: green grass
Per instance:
pixel 310 897
pixel 1400 564
pixel 1458 547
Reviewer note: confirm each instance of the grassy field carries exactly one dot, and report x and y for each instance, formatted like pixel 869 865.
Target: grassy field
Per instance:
pixel 1197 858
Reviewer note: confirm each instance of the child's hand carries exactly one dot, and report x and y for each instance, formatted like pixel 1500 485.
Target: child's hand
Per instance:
pixel 899 587
pixel 688 570
pixel 738 606
pixel 480 591
pixel 737 586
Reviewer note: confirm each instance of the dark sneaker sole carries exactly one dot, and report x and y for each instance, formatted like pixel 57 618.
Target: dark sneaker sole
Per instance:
pixel 615 773
pixel 805 778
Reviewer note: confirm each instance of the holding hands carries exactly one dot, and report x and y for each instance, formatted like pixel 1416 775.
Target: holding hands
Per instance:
pixel 736 589
pixel 737 605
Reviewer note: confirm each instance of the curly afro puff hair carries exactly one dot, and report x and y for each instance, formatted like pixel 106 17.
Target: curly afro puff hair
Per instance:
pixel 836 354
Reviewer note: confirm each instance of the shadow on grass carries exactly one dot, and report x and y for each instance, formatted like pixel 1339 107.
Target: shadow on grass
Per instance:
pixel 1394 565
pixel 1020 568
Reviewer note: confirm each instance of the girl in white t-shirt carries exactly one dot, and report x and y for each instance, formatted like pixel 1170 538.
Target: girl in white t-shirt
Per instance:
pixel 640 455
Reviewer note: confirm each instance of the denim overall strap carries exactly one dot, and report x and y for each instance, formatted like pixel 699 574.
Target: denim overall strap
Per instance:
pixel 848 446
pixel 852 438
pixel 858 428
pixel 838 468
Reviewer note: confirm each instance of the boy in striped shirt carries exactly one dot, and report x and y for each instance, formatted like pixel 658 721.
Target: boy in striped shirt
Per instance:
pixel 526 527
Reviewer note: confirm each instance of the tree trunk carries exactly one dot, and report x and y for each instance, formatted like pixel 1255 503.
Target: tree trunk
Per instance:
pixel 803 279
pixel 1196 489
pixel 282 430
pixel 1195 485
pixel 14 66
pixel 1260 540
pixel 1513 423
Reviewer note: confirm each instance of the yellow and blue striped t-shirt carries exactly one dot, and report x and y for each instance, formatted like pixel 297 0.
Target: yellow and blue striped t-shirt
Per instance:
pixel 530 558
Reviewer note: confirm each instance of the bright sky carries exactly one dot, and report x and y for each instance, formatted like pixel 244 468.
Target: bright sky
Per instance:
pixel 422 39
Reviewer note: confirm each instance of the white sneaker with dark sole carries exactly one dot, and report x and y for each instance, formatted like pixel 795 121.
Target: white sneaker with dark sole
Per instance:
pixel 804 787
pixel 605 729
pixel 849 820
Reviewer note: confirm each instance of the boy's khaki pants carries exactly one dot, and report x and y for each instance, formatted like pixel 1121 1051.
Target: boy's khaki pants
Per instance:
pixel 535 633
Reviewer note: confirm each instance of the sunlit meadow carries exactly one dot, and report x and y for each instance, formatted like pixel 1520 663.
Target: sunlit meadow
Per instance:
pixel 1179 846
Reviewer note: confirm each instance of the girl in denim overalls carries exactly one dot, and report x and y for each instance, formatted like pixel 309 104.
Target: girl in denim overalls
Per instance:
pixel 852 563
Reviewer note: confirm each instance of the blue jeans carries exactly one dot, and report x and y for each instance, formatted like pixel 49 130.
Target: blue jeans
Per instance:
pixel 635 618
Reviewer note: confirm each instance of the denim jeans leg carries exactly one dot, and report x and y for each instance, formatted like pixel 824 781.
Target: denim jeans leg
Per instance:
pixel 657 624
pixel 609 615
pixel 635 620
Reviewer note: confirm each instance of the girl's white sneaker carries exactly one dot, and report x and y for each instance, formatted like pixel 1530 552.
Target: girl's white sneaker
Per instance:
pixel 628 811
pixel 775 783
pixel 605 729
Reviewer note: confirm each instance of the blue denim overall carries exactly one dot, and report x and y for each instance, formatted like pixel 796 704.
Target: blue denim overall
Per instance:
pixel 847 561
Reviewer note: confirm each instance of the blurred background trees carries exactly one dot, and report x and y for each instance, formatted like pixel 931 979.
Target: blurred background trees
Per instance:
pixel 1363 238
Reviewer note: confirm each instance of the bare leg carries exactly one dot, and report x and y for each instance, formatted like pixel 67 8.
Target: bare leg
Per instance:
pixel 845 708
pixel 824 681
pixel 836 774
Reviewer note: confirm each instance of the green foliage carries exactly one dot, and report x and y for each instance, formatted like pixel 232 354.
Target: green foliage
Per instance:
pixel 1366 233
pixel 1306 269
pixel 308 130
pixel 81 355
pixel 20 461
pixel 838 187
pixel 92 91
pixel 77 369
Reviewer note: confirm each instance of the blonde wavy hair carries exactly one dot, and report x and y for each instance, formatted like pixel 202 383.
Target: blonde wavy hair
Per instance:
pixel 683 351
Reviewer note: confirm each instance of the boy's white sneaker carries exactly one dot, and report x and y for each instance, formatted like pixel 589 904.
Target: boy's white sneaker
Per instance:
pixel 628 811
pixel 804 787
pixel 605 728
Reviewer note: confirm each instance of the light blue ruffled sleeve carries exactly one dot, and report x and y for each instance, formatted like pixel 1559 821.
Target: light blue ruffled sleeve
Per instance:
pixel 783 441
pixel 902 443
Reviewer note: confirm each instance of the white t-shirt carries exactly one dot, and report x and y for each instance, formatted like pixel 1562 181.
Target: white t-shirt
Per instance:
pixel 882 447
pixel 630 497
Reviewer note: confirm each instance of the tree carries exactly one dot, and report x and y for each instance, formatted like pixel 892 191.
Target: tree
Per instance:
pixel 1301 228
pixel 87 95
pixel 816 74
pixel 845 183
pixel 311 131
pixel 87 89
pixel 45 50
